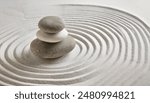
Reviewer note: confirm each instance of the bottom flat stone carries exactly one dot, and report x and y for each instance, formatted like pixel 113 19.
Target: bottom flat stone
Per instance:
pixel 52 50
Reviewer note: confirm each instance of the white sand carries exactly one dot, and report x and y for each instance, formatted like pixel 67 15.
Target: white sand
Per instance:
pixel 113 48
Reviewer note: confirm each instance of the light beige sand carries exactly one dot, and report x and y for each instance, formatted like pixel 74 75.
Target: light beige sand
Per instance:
pixel 113 48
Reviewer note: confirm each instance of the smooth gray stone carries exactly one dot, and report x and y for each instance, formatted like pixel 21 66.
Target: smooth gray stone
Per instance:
pixel 52 50
pixel 52 38
pixel 51 24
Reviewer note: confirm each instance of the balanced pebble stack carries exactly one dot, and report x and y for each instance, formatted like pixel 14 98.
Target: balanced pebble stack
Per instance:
pixel 52 40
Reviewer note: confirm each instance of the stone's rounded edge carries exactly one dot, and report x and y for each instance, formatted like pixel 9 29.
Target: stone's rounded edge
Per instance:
pixel 52 50
pixel 51 24
pixel 52 38
pixel 34 44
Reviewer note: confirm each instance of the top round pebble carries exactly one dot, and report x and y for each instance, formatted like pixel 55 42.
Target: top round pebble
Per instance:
pixel 51 24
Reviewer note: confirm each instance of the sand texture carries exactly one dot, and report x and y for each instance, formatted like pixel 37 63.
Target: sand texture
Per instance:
pixel 112 48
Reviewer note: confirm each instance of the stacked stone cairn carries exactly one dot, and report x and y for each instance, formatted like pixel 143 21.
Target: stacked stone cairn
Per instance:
pixel 52 39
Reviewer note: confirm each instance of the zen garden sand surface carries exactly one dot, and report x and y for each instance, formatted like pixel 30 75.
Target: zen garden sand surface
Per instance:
pixel 85 45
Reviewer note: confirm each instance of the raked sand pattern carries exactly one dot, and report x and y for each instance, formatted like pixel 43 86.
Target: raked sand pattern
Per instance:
pixel 113 48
